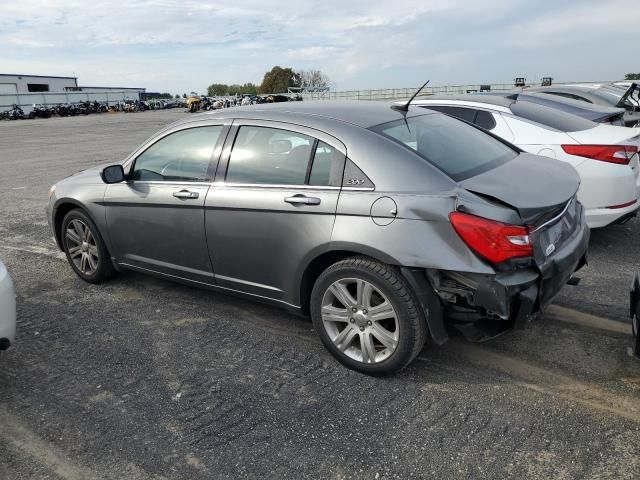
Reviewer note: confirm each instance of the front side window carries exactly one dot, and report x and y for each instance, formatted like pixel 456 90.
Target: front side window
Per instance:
pixel 263 155
pixel 182 156
pixel 458 149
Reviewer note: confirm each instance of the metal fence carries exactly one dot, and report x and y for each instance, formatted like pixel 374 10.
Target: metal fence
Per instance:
pixel 27 100
pixel 400 93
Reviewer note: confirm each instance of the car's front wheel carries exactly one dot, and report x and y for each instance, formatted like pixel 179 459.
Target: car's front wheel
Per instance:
pixel 86 251
pixel 367 316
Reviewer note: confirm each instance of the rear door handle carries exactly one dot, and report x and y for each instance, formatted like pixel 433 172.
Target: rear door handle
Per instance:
pixel 302 200
pixel 186 194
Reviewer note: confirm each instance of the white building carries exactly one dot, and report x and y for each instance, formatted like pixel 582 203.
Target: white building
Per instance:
pixel 28 90
pixel 12 84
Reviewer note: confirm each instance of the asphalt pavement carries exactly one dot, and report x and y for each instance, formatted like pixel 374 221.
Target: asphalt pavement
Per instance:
pixel 141 378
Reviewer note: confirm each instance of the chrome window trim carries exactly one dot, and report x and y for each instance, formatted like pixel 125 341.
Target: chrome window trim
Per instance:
pixel 271 185
pixel 252 185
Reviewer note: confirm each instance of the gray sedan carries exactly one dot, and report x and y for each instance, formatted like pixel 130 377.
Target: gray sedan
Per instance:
pixel 386 226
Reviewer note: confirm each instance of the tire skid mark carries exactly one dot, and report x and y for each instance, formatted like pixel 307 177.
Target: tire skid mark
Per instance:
pixel 46 454
pixel 547 381
pixel 575 317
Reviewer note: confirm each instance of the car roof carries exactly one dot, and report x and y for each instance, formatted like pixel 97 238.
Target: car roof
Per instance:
pixel 361 113
pixel 586 89
pixel 499 100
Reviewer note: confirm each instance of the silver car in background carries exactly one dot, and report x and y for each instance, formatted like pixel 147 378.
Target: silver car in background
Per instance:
pixel 7 309
pixel 386 225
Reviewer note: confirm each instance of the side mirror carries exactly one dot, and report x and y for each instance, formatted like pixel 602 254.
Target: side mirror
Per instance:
pixel 112 174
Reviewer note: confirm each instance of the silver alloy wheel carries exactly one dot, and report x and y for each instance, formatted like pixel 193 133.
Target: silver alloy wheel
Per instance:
pixel 82 247
pixel 352 309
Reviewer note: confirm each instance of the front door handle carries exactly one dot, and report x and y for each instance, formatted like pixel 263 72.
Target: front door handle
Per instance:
pixel 302 200
pixel 186 194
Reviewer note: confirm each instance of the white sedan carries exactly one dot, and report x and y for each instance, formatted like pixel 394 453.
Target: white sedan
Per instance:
pixel 7 309
pixel 605 156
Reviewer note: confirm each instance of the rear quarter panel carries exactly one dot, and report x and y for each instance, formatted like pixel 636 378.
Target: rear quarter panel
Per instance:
pixel 419 235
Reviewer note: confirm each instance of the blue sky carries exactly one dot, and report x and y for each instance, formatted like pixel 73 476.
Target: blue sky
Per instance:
pixel 184 45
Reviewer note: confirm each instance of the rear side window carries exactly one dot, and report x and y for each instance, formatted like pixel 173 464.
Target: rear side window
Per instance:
pixel 182 156
pixel 479 117
pixel 458 149
pixel 485 120
pixel 263 155
pixel 459 112
pixel 327 165
pixel 550 117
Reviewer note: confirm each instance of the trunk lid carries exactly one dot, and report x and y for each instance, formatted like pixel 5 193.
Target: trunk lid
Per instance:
pixel 607 135
pixel 537 187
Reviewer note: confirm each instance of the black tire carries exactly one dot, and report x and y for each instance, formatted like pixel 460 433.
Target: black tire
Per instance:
pixel 389 281
pixel 104 269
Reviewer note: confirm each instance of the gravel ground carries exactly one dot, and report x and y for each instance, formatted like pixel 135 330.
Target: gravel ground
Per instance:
pixel 141 378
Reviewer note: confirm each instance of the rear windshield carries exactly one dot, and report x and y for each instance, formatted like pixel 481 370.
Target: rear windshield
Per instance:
pixel 455 147
pixel 613 96
pixel 551 117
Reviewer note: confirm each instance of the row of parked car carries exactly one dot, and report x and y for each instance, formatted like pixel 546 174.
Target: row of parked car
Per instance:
pixel 594 128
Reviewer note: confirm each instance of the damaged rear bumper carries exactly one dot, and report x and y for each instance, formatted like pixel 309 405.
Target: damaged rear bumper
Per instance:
pixel 484 306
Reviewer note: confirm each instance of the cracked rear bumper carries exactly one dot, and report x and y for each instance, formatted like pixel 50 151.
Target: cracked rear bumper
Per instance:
pixel 484 306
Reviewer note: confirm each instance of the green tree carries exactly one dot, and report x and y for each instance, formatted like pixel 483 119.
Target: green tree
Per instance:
pixel 632 76
pixel 278 79
pixel 249 89
pixel 177 95
pixel 217 90
pixel 184 95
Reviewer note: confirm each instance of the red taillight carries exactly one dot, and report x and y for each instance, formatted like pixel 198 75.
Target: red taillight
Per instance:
pixel 620 154
pixel 623 205
pixel 494 241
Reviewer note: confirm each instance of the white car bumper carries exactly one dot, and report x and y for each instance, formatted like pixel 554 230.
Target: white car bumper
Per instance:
pixel 606 192
pixel 7 309
pixel 601 217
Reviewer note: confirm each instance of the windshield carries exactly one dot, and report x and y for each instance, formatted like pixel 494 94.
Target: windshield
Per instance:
pixel 455 147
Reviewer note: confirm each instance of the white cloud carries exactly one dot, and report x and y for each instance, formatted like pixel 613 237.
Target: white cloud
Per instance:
pixel 183 45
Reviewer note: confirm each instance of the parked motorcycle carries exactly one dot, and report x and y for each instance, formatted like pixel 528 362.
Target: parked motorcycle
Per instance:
pixel 14 113
pixel 40 111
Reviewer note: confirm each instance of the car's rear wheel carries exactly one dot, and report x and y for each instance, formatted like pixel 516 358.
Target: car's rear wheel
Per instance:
pixel 86 251
pixel 367 316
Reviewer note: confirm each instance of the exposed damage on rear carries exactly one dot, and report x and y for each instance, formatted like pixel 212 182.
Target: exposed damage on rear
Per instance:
pixel 483 306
